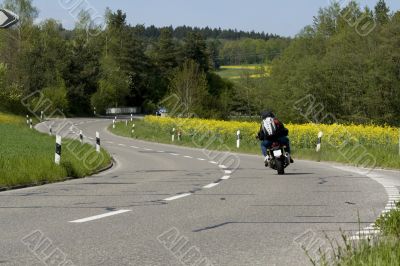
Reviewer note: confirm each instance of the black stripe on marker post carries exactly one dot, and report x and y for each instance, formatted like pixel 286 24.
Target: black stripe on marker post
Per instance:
pixel 57 158
pixel 98 142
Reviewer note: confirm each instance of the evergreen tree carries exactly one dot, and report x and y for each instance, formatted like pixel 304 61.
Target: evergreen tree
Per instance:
pixel 195 48
pixel 382 12
pixel 166 52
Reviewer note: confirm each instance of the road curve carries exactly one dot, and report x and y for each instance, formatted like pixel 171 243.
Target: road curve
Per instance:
pixel 167 205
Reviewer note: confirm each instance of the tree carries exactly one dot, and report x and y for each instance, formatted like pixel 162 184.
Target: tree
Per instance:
pixel 82 71
pixel 57 94
pixel 24 8
pixel 325 23
pixel 214 47
pixel 113 86
pixel 189 83
pixel 382 12
pixel 10 94
pixel 166 52
pixel 195 48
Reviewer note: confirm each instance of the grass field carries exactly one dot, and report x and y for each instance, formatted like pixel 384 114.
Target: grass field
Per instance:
pixel 243 71
pixel 27 156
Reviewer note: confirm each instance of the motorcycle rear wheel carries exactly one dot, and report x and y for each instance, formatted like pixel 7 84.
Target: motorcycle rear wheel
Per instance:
pixel 280 167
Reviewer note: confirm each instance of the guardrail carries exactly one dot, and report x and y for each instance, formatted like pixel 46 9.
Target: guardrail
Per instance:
pixel 123 110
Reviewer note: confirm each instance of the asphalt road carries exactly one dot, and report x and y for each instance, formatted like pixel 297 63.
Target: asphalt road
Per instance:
pixel 166 205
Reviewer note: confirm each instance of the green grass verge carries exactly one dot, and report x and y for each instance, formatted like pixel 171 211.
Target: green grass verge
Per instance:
pixel 383 250
pixel 389 223
pixel 387 157
pixel 378 252
pixel 27 157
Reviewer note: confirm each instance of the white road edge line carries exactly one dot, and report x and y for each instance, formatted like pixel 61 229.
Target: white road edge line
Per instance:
pixel 228 172
pixel 389 187
pixel 211 185
pixel 177 197
pixel 92 218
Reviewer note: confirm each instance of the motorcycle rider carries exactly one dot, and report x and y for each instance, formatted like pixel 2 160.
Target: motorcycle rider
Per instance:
pixel 272 130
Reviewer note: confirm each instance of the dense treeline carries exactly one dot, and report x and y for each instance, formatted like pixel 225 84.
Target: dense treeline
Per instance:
pixel 349 60
pixel 154 32
pixel 251 51
pixel 119 65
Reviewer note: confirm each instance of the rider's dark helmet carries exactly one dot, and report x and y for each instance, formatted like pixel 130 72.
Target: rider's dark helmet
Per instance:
pixel 266 114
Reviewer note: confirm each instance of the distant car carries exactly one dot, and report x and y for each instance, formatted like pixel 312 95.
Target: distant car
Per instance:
pixel 161 111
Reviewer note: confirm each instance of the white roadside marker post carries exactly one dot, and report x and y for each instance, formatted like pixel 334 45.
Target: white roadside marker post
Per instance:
pixel 126 123
pixel 30 123
pixel 238 139
pixel 57 158
pixel 50 131
pixel 320 134
pixel 319 142
pixel 27 120
pixel 399 141
pixel 131 117
pixel 94 111
pixel 173 135
pixel 114 123
pixel 41 116
pixel 98 142
pixel 81 136
pixel 133 129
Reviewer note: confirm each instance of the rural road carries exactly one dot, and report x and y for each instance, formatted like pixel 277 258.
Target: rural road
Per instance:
pixel 160 205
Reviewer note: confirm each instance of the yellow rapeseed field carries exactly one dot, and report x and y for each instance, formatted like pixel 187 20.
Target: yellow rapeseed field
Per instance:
pixel 10 119
pixel 302 136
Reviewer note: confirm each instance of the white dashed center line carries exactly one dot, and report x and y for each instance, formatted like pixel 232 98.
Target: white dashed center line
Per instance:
pixel 97 217
pixel 211 185
pixel 189 157
pixel 177 197
pixel 225 177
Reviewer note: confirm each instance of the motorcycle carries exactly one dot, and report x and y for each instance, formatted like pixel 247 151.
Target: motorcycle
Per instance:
pixel 278 158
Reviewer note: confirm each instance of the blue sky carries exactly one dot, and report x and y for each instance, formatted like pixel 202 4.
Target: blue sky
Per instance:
pixel 284 17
